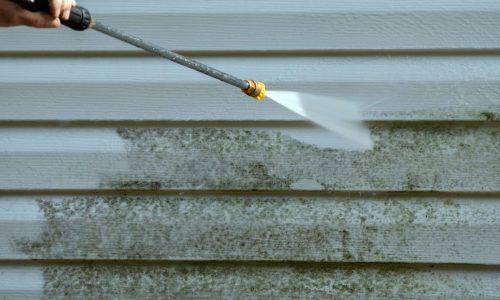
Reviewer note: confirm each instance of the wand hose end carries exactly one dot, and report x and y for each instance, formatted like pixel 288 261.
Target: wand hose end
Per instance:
pixel 256 89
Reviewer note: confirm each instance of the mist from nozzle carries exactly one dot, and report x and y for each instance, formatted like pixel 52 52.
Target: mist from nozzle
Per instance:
pixel 341 117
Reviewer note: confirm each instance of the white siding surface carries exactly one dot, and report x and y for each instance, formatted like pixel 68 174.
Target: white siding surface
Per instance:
pixel 123 175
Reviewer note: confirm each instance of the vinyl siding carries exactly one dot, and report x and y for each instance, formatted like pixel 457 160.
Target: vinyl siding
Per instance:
pixel 125 175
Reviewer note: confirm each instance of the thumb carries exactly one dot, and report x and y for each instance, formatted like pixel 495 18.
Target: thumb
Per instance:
pixel 39 19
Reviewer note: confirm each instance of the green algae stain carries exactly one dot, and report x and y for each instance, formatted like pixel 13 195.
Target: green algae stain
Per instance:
pixel 263 228
pixel 251 281
pixel 233 228
pixel 346 243
pixel 488 116
pixel 258 176
pixel 212 158
pixel 227 158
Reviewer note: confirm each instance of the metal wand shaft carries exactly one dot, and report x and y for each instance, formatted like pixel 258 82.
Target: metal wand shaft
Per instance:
pixel 177 58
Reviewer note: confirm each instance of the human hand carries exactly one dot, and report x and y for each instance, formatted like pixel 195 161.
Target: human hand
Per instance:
pixel 12 14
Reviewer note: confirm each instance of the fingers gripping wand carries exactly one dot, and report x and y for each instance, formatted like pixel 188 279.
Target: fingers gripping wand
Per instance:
pixel 80 19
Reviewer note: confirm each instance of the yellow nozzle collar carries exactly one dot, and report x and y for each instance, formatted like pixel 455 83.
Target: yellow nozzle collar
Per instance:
pixel 256 89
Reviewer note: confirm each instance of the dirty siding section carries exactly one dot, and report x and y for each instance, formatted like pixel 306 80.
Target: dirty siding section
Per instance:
pixel 136 178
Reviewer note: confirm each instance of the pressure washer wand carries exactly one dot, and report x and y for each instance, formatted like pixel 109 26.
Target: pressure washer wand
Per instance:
pixel 80 20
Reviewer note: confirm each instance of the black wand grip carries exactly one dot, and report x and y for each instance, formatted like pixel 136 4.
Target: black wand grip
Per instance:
pixel 79 19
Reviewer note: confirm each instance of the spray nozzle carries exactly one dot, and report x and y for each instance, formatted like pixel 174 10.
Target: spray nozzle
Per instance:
pixel 255 89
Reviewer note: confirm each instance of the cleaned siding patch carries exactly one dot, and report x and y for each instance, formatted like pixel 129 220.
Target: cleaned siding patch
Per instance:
pixel 404 158
pixel 345 25
pixel 346 229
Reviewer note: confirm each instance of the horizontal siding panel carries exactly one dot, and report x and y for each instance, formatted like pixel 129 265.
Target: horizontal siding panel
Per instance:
pixel 147 88
pixel 252 228
pixel 415 157
pixel 439 64
pixel 187 281
pixel 291 25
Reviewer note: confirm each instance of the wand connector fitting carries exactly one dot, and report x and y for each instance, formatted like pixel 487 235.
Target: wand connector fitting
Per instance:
pixel 256 89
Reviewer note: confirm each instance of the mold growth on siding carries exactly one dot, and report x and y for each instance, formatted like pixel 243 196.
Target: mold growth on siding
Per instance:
pixel 488 116
pixel 423 158
pixel 200 158
pixel 249 280
pixel 241 228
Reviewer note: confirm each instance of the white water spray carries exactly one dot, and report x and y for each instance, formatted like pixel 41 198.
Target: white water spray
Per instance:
pixel 341 117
